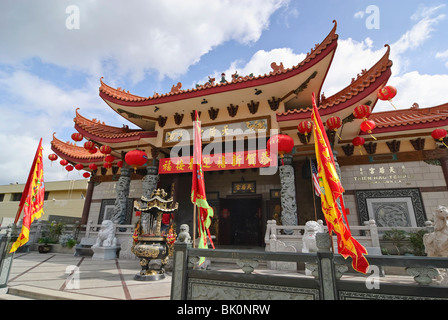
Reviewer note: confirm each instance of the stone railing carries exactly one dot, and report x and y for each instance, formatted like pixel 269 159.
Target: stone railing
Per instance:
pixel 369 235
pixel 331 279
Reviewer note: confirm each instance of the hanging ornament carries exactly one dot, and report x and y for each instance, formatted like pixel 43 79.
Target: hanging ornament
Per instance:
pixel 387 93
pixel 105 149
pixel 63 162
pixel 439 134
pixel 93 150
pixel 334 123
pixel 69 168
pixel 86 175
pixel 109 158
pixel 362 112
pixel 89 145
pixel 368 126
pixel 93 167
pixel 79 167
pixel 280 144
pixel 107 165
pixel 120 164
pixel 136 158
pixel 52 157
pixel 305 128
pixel 77 137
pixel 358 142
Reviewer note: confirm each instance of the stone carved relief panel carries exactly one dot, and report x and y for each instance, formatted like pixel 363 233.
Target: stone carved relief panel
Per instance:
pixel 391 207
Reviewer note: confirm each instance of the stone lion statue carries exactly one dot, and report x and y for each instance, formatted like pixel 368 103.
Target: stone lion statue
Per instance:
pixel 436 243
pixel 184 234
pixel 106 235
pixel 309 237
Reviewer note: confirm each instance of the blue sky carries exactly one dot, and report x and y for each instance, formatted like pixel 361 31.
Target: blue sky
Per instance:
pixel 47 69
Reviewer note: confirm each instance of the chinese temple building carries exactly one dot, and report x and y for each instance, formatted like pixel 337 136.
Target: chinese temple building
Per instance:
pixel 397 176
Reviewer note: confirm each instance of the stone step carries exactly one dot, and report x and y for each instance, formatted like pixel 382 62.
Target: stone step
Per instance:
pixel 23 292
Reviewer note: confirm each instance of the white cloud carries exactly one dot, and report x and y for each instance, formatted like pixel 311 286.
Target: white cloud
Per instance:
pixel 442 54
pixel 416 36
pixel 167 36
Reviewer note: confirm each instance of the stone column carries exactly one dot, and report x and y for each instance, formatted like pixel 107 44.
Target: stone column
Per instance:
pixel 123 187
pixel 288 192
pixel 150 181
pixel 444 164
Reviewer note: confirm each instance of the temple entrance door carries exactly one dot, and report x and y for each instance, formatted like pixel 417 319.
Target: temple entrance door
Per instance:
pixel 240 221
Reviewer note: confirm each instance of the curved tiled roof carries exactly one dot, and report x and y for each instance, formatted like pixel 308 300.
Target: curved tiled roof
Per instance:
pixel 122 96
pixel 380 71
pixel 413 118
pixel 73 153
pixel 101 132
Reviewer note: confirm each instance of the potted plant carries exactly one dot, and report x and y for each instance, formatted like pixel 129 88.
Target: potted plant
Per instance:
pixel 397 237
pixel 44 245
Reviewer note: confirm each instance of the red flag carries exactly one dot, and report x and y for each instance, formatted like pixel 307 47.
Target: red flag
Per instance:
pixel 32 199
pixel 332 190
pixel 198 195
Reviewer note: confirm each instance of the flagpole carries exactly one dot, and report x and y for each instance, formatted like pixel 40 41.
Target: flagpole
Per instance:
pixel 194 226
pixel 312 190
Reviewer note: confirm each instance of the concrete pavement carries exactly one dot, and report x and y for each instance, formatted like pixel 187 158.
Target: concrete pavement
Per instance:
pixel 66 277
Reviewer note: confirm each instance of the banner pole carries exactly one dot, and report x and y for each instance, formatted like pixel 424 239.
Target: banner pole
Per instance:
pixel 312 190
pixel 194 227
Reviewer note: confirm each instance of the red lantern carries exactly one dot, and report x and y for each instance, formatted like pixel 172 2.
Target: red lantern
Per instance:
pixel 93 150
pixel 69 168
pixel 107 165
pixel 387 93
pixel 52 157
pixel 368 126
pixel 305 127
pixel 89 145
pixel 334 123
pixel 86 175
pixel 439 134
pixel 281 144
pixel 79 167
pixel 120 164
pixel 77 136
pixel 358 142
pixel 109 158
pixel 105 149
pixel 63 162
pixel 93 167
pixel 136 158
pixel 362 112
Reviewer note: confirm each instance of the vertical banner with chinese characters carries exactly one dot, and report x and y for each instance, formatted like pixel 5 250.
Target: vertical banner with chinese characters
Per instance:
pixel 217 162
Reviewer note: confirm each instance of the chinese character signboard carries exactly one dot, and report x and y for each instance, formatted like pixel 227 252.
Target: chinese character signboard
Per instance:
pixel 217 162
